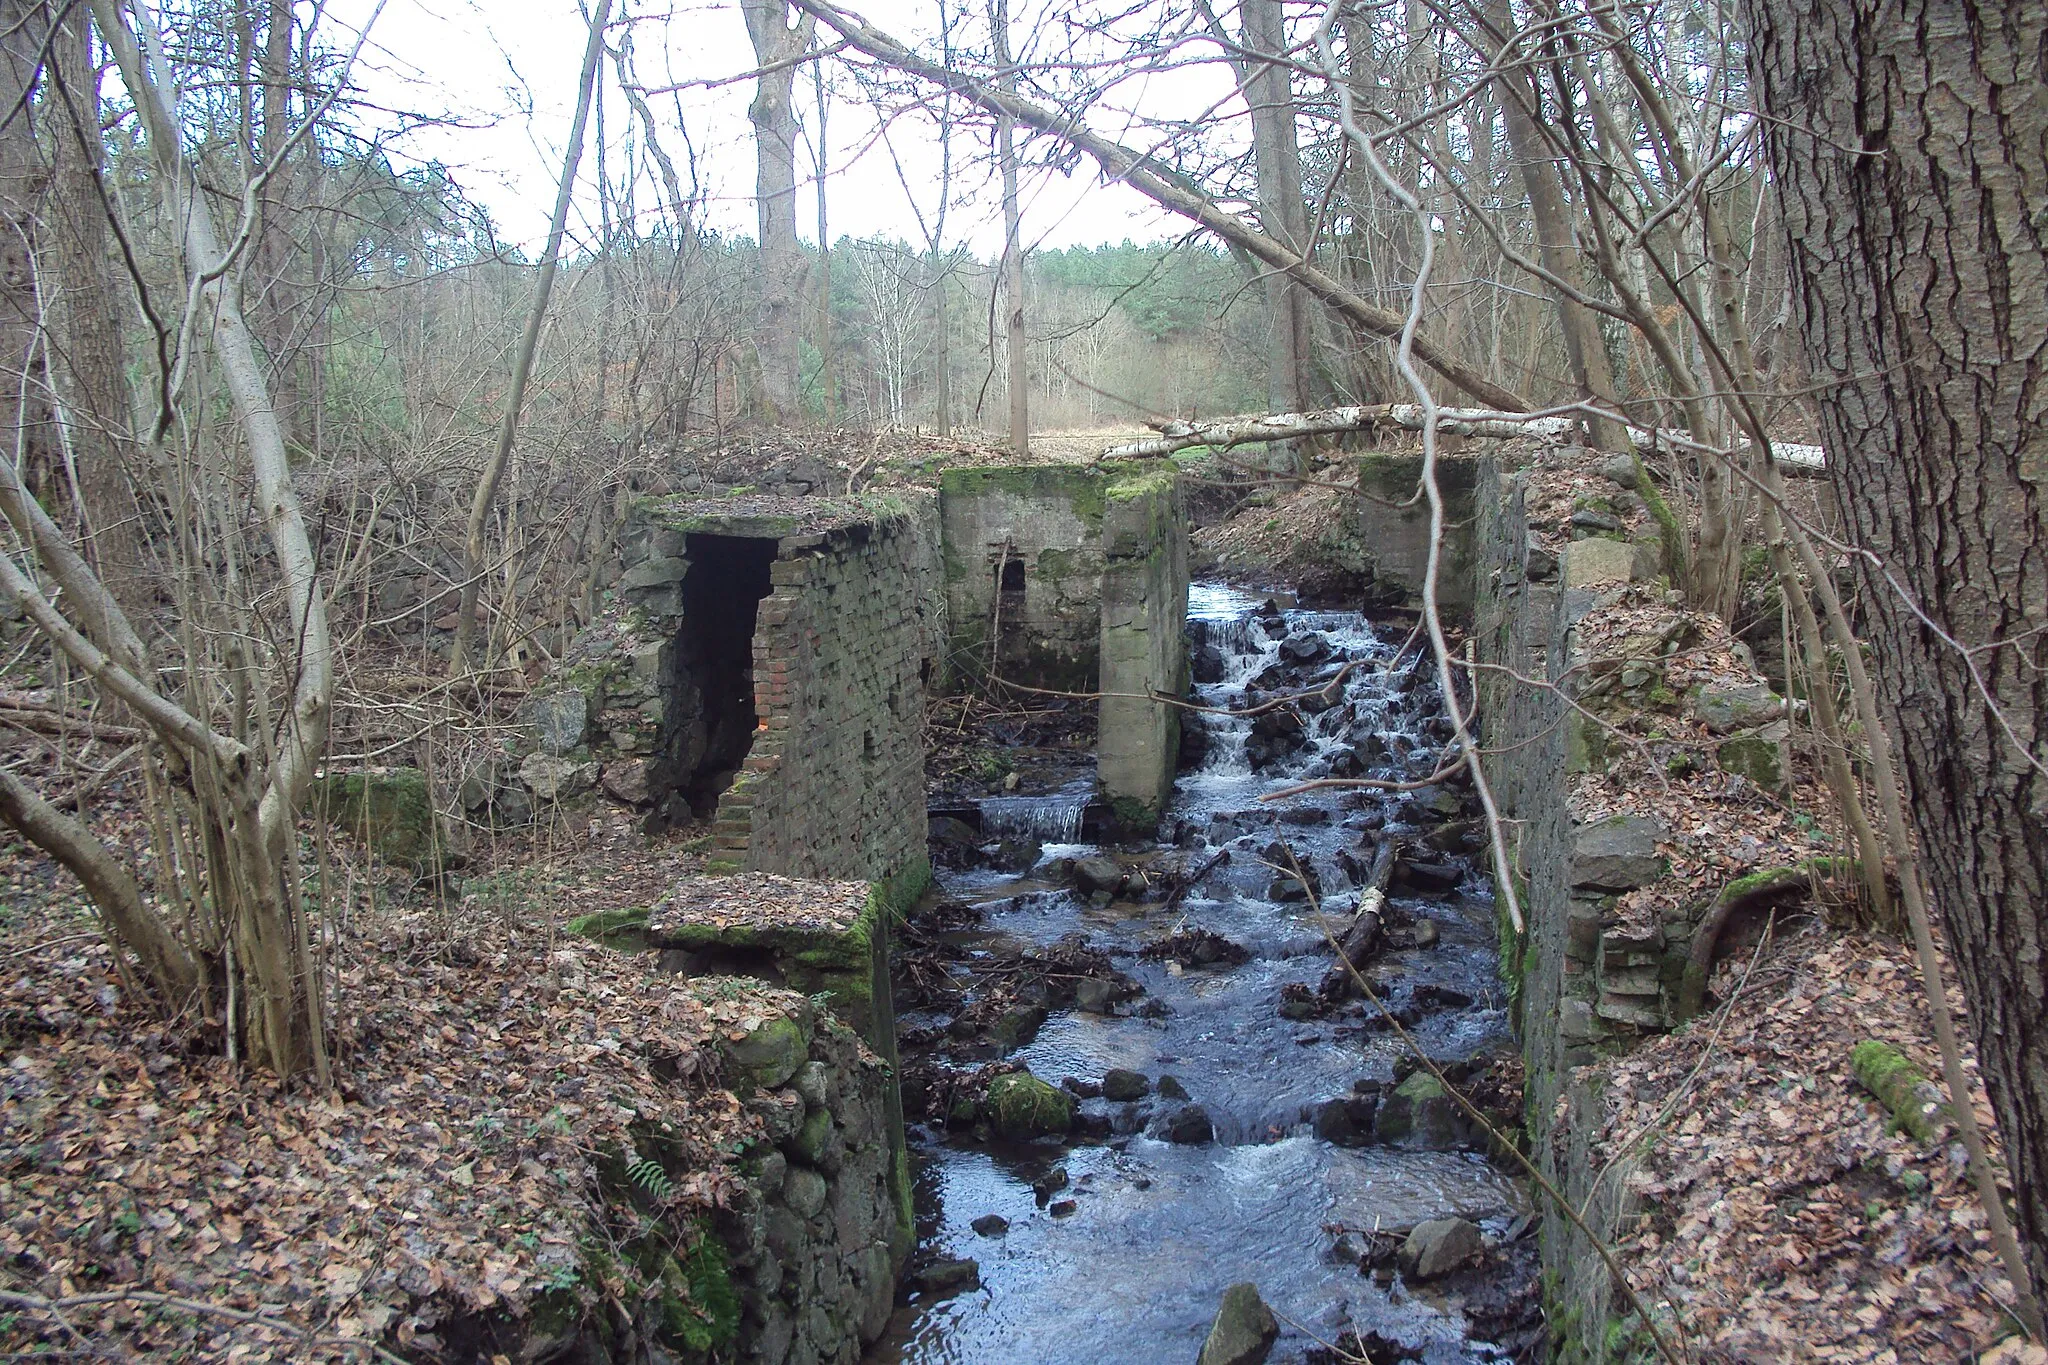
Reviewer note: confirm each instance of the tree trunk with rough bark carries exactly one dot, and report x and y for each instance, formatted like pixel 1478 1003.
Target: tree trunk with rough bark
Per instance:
pixel 25 419
pixel 779 324
pixel 1017 372
pixel 1283 209
pixel 1907 138
pixel 88 367
pixel 1585 349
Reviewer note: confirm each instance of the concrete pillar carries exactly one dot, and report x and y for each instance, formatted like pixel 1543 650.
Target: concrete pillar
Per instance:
pixel 1143 647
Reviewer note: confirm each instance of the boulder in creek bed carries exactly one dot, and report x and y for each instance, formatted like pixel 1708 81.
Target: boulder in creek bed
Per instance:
pixel 1420 1114
pixel 1120 1084
pixel 1189 1125
pixel 1439 1247
pixel 1170 1088
pixel 954 842
pixel 1422 878
pixel 1093 995
pixel 1016 855
pixel 1021 1107
pixel 1094 873
pixel 1305 648
pixel 1244 1329
pixel 990 1225
pixel 943 1279
pixel 1345 1122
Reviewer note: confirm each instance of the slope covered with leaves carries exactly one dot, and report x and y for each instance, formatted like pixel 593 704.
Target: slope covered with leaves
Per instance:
pixel 446 1190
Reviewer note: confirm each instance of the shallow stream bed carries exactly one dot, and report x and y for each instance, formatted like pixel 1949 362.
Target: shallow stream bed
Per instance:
pixel 1127 1260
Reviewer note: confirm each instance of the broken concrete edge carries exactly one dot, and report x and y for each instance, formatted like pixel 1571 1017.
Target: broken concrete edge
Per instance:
pixel 841 969
pixel 1084 486
pixel 844 973
pixel 1396 530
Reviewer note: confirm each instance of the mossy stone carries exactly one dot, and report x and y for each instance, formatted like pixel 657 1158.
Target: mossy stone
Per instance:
pixel 1419 1111
pixel 770 1054
pixel 390 811
pixel 1024 1107
pixel 809 1143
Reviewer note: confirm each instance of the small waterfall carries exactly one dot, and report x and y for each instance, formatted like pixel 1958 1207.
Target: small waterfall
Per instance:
pixel 1054 819
pixel 1233 636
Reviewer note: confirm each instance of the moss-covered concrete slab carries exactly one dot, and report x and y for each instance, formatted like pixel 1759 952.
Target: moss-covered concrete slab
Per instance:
pixel 823 938
pixel 762 517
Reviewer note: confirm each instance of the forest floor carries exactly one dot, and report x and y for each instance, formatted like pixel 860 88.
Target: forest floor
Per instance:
pixel 158 1201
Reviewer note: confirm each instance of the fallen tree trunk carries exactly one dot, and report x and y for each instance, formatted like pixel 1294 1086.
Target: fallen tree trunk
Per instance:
pixel 1227 432
pixel 1366 934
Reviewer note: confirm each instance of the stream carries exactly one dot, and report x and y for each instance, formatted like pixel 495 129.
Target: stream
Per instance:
pixel 1126 1258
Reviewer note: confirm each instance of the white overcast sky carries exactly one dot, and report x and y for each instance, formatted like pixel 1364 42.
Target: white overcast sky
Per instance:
pixel 507 69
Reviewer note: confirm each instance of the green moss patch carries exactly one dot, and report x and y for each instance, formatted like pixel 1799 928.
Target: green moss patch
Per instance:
pixel 1916 1104
pixel 1022 1107
pixel 625 930
pixel 391 811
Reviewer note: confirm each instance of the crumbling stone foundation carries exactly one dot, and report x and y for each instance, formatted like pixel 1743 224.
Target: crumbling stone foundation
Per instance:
pixel 1075 578
pixel 764 668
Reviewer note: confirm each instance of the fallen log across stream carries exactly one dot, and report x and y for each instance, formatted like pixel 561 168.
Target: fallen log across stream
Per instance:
pixel 1790 457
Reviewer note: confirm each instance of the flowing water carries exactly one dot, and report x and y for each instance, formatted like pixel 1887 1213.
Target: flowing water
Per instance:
pixel 1134 1271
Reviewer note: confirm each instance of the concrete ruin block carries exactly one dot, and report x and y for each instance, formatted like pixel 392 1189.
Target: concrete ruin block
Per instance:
pixel 1391 527
pixel 1597 562
pixel 1143 644
pixel 1617 854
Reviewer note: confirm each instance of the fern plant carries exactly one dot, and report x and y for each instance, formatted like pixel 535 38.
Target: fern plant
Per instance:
pixel 649 1176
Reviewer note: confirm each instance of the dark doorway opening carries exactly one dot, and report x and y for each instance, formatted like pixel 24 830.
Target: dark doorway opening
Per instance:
pixel 713 699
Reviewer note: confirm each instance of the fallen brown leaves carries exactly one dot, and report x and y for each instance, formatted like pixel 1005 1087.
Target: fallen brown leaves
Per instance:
pixel 1783 1220
pixel 760 900
pixel 450 1174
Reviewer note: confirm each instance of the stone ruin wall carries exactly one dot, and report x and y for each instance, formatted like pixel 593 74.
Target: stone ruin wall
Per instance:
pixel 1078 574
pixel 1047 521
pixel 834 784
pixel 1142 649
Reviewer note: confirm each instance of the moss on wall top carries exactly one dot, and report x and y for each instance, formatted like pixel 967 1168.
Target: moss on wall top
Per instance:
pixel 1123 482
pixel 1080 485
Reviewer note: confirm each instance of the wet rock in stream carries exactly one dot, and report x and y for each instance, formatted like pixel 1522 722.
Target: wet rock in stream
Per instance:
pixel 1244 1330
pixel 1196 948
pixel 1187 1125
